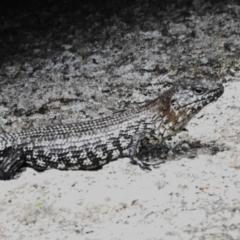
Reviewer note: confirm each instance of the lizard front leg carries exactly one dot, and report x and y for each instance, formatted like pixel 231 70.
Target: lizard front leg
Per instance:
pixel 134 152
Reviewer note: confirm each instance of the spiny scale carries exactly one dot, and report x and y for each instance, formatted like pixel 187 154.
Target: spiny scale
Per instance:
pixel 91 144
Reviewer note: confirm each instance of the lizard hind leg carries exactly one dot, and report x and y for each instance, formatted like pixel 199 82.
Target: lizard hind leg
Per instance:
pixel 11 163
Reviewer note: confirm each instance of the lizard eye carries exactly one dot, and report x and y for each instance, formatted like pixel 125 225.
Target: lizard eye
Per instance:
pixel 198 91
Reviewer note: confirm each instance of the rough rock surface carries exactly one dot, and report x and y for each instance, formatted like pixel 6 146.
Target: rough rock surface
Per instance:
pixel 70 61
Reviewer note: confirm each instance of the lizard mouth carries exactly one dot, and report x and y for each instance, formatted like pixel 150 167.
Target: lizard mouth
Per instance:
pixel 217 92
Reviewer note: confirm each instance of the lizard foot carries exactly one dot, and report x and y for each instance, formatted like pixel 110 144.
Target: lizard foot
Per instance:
pixel 146 164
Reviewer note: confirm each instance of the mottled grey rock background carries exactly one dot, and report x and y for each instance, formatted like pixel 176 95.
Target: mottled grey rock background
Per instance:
pixel 67 61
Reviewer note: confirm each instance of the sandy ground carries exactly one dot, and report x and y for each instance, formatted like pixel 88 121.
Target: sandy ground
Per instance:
pixel 70 62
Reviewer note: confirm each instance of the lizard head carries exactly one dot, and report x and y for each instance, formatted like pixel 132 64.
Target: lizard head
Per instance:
pixel 187 98
pixel 193 96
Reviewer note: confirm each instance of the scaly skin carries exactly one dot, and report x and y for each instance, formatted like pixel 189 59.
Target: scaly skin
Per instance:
pixel 92 144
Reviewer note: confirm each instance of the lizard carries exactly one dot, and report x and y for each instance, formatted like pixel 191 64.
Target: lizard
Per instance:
pixel 91 144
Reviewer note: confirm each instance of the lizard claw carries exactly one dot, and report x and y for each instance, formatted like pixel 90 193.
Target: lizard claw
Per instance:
pixel 145 164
